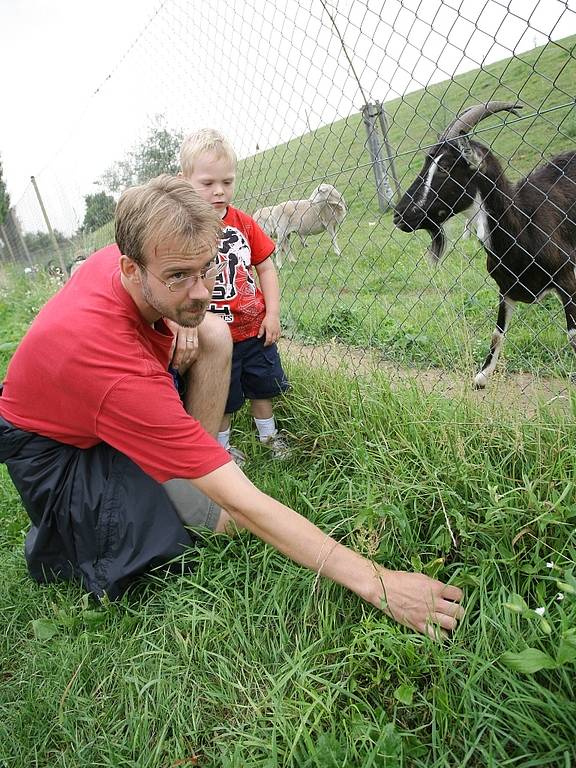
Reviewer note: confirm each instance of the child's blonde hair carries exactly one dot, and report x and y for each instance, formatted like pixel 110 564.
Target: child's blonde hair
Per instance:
pixel 205 140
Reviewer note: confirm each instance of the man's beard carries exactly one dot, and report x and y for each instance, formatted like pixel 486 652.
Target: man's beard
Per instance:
pixel 178 315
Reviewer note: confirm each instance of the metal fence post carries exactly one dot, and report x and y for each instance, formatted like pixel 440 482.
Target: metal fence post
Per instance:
pixel 389 153
pixel 50 230
pixel 370 113
pixel 6 242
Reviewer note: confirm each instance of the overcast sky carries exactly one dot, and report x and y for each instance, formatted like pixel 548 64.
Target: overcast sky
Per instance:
pixel 53 55
pixel 83 81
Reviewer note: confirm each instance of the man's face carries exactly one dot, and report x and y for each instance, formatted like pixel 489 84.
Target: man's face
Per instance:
pixel 213 178
pixel 187 303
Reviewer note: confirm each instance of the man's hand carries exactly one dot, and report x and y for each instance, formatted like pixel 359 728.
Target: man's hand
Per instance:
pixel 270 329
pixel 417 601
pixel 184 347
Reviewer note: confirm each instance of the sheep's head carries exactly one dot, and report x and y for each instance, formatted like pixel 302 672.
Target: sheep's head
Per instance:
pixel 326 193
pixel 446 183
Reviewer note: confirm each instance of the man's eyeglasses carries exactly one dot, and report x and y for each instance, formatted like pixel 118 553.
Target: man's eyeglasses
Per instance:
pixel 176 284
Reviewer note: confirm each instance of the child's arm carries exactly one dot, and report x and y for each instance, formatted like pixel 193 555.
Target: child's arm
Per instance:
pixel 268 279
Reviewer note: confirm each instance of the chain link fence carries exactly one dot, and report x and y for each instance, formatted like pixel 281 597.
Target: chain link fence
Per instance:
pixel 352 94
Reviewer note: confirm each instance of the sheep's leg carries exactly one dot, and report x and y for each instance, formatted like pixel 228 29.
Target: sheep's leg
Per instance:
pixel 282 248
pixel 287 250
pixel 332 232
pixel 505 310
pixel 278 254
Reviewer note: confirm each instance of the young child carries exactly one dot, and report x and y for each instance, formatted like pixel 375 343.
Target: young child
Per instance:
pixel 252 311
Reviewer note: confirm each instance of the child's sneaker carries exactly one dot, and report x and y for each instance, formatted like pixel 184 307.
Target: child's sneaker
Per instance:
pixel 237 456
pixel 278 445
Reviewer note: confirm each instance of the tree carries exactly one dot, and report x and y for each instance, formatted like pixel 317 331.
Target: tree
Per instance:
pixel 99 211
pixel 4 198
pixel 41 242
pixel 157 154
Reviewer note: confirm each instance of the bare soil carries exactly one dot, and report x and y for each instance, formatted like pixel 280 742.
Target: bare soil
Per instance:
pixel 522 392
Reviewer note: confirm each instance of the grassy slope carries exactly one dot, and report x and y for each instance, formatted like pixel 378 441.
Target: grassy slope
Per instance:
pixel 381 292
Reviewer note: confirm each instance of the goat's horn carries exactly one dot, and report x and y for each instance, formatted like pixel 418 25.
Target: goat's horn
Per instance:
pixel 473 115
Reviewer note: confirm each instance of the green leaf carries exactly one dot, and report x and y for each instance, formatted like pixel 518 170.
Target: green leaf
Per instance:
pixel 404 694
pixel 433 567
pixel 44 629
pixel 544 625
pixel 567 649
pixel 516 604
pixel 93 618
pixel 565 587
pixel 528 661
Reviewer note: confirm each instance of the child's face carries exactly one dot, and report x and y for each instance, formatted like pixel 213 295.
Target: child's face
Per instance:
pixel 213 177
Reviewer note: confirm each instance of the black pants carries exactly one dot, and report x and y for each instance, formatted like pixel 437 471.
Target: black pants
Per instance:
pixel 96 516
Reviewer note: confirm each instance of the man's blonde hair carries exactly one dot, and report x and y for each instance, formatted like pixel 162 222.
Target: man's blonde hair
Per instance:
pixel 205 140
pixel 165 208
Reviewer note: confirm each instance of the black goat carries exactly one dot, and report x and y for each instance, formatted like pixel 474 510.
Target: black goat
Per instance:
pixel 528 230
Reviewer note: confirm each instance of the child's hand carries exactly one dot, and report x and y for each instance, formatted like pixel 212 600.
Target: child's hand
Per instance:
pixel 270 328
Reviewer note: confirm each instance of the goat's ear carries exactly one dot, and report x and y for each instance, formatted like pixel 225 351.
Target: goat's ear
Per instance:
pixel 470 153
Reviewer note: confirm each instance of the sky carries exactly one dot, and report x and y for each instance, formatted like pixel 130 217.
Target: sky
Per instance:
pixel 83 82
pixel 54 54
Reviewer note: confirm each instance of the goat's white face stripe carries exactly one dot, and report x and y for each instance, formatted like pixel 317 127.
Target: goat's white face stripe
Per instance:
pixel 428 182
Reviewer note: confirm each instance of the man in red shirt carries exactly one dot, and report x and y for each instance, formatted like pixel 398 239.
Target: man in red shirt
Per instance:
pixel 109 464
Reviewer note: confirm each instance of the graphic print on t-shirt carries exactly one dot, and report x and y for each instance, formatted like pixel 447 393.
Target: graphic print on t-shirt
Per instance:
pixel 235 296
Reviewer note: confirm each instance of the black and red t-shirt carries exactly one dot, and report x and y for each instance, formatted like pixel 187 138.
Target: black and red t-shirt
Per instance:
pixel 236 297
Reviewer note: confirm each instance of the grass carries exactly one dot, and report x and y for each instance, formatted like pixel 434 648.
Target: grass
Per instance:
pixel 251 662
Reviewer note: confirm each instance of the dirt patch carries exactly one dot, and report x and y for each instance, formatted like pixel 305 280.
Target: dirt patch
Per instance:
pixel 523 392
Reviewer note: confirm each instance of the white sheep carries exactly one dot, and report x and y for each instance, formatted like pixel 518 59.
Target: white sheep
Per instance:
pixel 324 210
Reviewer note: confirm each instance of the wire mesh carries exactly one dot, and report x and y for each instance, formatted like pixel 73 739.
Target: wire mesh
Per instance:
pixel 291 85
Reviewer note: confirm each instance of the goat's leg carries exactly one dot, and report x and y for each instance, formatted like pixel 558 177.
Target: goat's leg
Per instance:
pixel 569 301
pixel 505 310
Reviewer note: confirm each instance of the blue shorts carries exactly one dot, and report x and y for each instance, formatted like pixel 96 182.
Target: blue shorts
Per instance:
pixel 257 373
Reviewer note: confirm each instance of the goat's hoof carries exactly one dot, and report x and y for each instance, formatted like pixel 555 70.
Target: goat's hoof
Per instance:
pixel 480 380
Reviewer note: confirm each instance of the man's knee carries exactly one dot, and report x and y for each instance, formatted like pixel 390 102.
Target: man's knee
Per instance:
pixel 214 337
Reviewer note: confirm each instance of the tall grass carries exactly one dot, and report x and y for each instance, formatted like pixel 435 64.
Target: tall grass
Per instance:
pixel 251 661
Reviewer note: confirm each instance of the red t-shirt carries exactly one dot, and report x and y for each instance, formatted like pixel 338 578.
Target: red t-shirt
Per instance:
pixel 91 369
pixel 236 297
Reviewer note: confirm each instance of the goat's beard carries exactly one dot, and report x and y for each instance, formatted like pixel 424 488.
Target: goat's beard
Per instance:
pixel 437 247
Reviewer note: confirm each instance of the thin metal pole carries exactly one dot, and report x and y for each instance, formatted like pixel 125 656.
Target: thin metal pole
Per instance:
pixel 384 129
pixel 50 230
pixel 7 242
pixel 383 188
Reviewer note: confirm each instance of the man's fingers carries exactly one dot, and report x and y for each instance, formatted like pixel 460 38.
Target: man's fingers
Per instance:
pixel 452 593
pixel 449 608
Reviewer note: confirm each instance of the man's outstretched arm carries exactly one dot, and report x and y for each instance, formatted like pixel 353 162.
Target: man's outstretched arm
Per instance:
pixel 413 599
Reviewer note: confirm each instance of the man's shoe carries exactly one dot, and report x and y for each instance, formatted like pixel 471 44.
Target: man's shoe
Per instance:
pixel 237 456
pixel 278 445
